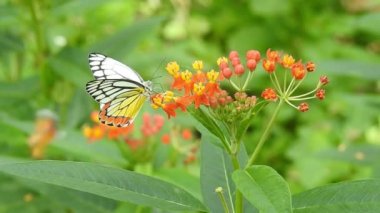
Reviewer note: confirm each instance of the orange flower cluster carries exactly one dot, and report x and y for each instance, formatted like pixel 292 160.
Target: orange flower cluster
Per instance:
pixel 203 88
pixel 298 72
pixel 198 87
pixel 99 130
pixel 44 132
pixel 151 124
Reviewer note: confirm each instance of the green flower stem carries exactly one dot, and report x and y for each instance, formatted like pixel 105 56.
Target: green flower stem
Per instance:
pixel 311 92
pixel 300 99
pixel 219 192
pixel 287 101
pixel 264 135
pixel 234 85
pixel 277 87
pixel 298 84
pixel 238 195
pixel 277 82
pixel 248 79
pixel 285 80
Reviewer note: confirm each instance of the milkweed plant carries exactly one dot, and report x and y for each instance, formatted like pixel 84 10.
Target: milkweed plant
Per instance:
pixel 227 114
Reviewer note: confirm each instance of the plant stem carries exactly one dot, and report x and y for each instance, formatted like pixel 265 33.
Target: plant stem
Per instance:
pixel 264 135
pixel 238 195
pixel 222 199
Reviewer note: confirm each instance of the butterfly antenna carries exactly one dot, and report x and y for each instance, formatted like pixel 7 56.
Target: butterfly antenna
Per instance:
pixel 158 69
pixel 160 87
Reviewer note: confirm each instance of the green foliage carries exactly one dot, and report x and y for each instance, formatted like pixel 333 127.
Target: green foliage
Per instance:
pixel 43 65
pixel 264 188
pixel 107 182
pixel 353 196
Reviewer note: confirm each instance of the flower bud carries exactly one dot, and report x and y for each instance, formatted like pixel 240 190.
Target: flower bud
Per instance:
pixel 227 73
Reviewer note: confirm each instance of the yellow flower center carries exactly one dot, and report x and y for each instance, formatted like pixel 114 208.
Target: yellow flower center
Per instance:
pixel 288 61
pixel 172 68
pixel 199 88
pixel 221 59
pixel 198 65
pixel 186 76
pixel 212 76
pixel 168 96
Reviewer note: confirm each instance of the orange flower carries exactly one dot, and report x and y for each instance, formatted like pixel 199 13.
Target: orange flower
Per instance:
pixel 183 102
pixel 187 134
pixel 324 80
pixel 188 83
pixel 170 109
pixel 269 65
pixel 310 66
pixel 298 71
pixel 151 124
pixel 320 94
pixel 212 87
pixel 287 61
pixel 199 95
pixel 273 55
pixel 303 107
pixel 178 83
pixel 134 144
pixel 199 77
pixel 165 139
pixel 269 94
pixel 44 132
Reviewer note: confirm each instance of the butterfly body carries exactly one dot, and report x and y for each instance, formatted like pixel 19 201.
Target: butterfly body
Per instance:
pixel 120 91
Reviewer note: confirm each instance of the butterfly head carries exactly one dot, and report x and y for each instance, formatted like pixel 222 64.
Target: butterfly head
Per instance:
pixel 148 88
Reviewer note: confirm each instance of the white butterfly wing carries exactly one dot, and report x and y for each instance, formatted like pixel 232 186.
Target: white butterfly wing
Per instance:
pixel 104 67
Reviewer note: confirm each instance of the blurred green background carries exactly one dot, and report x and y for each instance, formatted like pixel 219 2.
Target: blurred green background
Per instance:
pixel 44 47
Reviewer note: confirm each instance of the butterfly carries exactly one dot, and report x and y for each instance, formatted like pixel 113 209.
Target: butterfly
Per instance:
pixel 120 90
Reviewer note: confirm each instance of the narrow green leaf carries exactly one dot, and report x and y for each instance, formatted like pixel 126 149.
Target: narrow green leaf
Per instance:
pixel 80 108
pixel 369 23
pixel 363 70
pixel 70 71
pixel 216 170
pixel 182 178
pixel 209 123
pixel 106 181
pixel 345 197
pixel 263 187
pixel 124 41
pixel 102 151
pixel 73 199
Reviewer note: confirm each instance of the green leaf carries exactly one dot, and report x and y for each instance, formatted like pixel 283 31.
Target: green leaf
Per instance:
pixel 210 124
pixel 65 66
pixel 351 68
pixel 79 108
pixel 76 7
pixel 369 23
pixel 101 151
pixel 75 200
pixel 216 170
pixel 124 41
pixel 106 181
pixel 182 178
pixel 263 187
pixel 345 197
pixel 22 89
pixel 370 154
